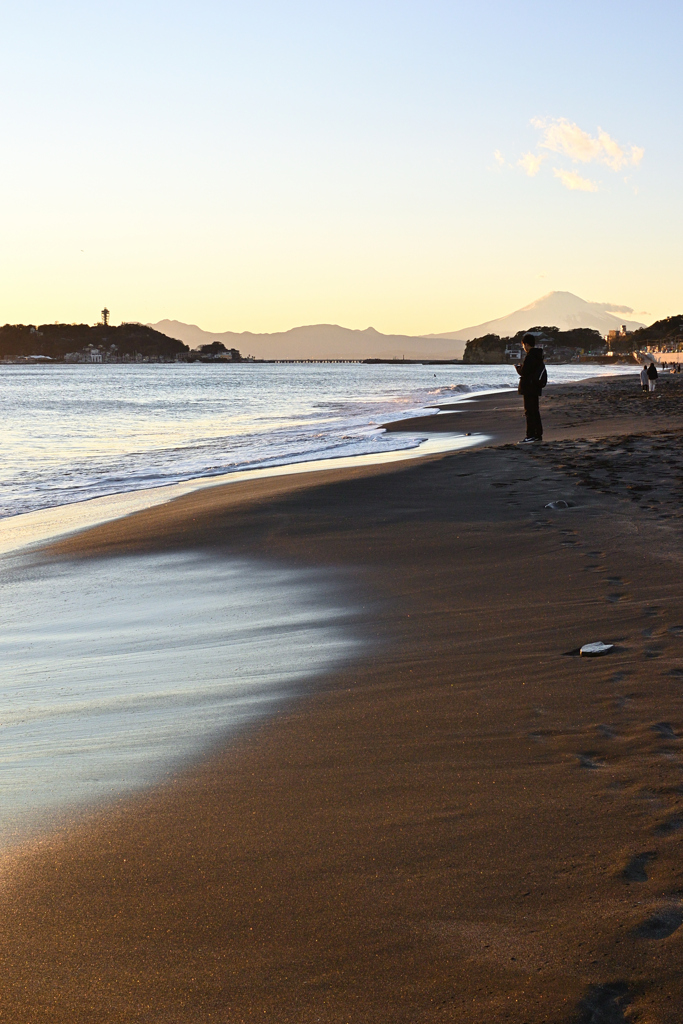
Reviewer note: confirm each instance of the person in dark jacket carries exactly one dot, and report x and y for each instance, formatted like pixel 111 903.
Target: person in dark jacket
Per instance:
pixel 652 376
pixel 530 371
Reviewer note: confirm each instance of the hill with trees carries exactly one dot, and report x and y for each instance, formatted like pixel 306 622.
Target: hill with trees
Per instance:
pixel 558 346
pixel 115 344
pixel 216 352
pixel 664 334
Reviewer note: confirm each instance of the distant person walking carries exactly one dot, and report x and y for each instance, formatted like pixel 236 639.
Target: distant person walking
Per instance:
pixel 652 376
pixel 533 378
pixel 644 382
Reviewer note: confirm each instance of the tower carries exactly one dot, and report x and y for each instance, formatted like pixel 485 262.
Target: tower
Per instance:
pixel 105 317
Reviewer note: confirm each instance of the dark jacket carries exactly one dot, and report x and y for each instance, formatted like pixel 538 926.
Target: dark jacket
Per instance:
pixel 652 372
pixel 530 371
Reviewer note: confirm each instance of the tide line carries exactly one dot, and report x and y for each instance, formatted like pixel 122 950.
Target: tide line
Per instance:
pixel 31 528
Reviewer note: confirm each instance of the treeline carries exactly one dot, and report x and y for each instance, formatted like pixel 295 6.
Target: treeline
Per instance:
pixel 56 340
pixel 491 348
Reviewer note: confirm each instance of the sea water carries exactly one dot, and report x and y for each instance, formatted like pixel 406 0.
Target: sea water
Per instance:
pixel 77 432
pixel 114 673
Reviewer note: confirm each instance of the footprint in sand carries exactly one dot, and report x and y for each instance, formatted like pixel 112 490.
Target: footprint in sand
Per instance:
pixel 588 761
pixel 664 729
pixel 668 827
pixel 635 869
pixel 662 924
pixel 604 1004
pixel 616 595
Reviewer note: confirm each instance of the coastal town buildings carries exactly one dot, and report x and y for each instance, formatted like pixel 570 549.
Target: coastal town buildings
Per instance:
pixel 622 333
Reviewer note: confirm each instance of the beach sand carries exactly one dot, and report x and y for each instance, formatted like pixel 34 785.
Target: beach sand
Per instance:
pixel 473 824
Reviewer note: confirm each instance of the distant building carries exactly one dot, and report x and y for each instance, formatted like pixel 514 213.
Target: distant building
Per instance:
pixel 613 336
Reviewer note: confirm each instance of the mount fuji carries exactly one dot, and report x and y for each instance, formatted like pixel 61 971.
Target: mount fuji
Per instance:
pixel 556 309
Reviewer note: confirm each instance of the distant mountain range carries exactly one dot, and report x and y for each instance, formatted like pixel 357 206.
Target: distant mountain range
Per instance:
pixel 556 309
pixel 328 341
pixel 320 341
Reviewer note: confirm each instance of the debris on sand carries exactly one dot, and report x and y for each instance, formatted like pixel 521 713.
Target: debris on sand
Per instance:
pixel 594 650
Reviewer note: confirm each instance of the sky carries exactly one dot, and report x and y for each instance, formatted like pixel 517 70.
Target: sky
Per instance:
pixel 417 167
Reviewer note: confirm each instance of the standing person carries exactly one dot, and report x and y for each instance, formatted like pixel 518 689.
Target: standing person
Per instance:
pixel 643 377
pixel 652 375
pixel 532 379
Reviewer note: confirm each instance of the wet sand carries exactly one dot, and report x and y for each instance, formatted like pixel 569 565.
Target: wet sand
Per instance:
pixel 118 672
pixel 471 825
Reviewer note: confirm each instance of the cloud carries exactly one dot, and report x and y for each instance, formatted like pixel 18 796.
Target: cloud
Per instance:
pixel 531 163
pixel 574 181
pixel 609 307
pixel 562 136
pixel 565 139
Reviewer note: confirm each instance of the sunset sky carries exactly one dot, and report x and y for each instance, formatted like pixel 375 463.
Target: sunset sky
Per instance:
pixel 417 167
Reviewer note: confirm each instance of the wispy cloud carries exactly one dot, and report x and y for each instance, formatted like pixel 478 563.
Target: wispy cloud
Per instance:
pixel 562 140
pixel 574 181
pixel 531 163
pixel 562 136
pixel 609 307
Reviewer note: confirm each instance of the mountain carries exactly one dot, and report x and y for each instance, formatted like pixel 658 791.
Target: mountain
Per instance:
pixel 320 341
pixel 328 341
pixel 557 309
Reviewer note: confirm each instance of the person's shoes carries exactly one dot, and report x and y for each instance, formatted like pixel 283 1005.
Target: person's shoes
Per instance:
pixel 529 440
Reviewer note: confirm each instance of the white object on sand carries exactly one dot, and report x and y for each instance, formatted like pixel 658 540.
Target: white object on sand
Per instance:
pixel 561 503
pixel 595 650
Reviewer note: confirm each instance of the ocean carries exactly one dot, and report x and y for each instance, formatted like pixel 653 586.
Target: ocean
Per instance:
pixel 73 433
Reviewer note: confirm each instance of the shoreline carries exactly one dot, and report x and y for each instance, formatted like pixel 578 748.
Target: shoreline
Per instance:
pixel 449 830
pixel 28 529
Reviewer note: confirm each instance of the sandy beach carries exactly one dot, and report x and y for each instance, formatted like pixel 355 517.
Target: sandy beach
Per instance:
pixel 469 824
